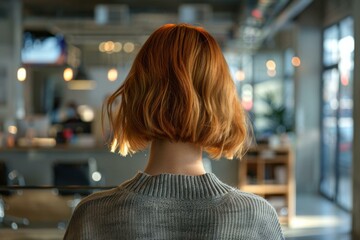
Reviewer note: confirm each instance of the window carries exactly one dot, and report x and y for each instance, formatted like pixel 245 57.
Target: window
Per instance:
pixel 337 108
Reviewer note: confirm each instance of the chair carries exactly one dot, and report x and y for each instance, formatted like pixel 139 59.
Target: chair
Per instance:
pixel 12 178
pixel 74 174
pixel 77 173
pixel 4 179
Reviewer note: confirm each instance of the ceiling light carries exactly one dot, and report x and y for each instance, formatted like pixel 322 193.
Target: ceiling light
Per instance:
pixel 271 65
pixel 109 46
pixel 68 74
pixel 295 61
pixel 21 74
pixel 102 47
pixel 117 46
pixel 112 74
pixel 240 75
pixel 129 47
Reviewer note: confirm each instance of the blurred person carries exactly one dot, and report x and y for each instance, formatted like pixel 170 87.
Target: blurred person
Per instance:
pixel 66 113
pixel 178 97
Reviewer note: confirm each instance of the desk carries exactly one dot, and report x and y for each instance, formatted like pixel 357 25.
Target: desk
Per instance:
pixel 32 234
pixel 35 164
pixel 39 206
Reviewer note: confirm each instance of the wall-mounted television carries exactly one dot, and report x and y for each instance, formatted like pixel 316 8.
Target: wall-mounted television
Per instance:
pixel 41 47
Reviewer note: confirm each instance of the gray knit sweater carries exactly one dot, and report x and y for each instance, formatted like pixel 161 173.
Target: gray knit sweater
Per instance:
pixel 168 206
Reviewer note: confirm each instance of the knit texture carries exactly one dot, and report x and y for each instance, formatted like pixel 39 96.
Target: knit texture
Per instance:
pixel 168 206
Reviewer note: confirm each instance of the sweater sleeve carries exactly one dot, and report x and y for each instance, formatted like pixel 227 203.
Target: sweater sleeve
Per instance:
pixel 270 227
pixel 84 224
pixel 77 228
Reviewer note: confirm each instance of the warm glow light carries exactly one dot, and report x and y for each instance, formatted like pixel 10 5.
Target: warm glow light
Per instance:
pixel 21 74
pixel 82 85
pixel 102 47
pixel 86 113
pixel 271 73
pixel 129 47
pixel 295 61
pixel 240 75
pixel 117 47
pixel 112 74
pixel 68 74
pixel 12 129
pixel 43 142
pixel 109 46
pixel 113 145
pixel 271 65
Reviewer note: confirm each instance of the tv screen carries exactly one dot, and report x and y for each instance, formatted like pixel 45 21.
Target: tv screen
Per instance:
pixel 41 47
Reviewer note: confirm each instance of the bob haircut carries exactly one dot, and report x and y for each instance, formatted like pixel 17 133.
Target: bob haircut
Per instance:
pixel 179 89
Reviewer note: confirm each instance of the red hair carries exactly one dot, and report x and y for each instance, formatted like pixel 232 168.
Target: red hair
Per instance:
pixel 179 88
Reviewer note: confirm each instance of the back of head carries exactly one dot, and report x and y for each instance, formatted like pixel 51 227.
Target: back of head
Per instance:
pixel 178 89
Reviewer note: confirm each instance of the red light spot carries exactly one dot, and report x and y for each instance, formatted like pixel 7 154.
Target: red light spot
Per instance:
pixel 344 79
pixel 247 105
pixel 256 13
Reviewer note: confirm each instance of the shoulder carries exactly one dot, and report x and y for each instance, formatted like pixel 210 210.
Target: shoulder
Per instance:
pixel 101 201
pixel 96 198
pixel 82 224
pixel 253 204
pixel 249 200
pixel 258 212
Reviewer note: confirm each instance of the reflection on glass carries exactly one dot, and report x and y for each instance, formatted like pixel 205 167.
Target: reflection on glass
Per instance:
pixel 329 133
pixel 330 45
pixel 337 122
pixel 345 120
pixel 347 27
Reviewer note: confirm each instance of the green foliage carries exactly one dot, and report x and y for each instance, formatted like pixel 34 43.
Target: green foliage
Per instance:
pixel 279 117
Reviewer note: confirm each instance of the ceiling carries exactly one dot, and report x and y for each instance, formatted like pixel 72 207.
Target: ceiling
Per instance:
pixel 236 24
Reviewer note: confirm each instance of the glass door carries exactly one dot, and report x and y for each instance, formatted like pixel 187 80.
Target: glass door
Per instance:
pixel 345 115
pixel 337 108
pixel 329 131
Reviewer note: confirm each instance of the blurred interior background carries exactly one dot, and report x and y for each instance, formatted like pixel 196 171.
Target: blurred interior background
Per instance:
pixel 293 65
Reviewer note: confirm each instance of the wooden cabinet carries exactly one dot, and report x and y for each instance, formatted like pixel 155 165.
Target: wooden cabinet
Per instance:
pixel 268 172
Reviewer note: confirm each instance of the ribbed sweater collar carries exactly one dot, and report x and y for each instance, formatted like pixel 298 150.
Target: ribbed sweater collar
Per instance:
pixel 177 186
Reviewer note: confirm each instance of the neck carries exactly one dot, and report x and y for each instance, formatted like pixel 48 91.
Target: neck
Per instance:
pixel 175 158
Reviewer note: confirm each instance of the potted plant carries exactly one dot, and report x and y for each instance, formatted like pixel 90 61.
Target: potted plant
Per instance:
pixel 279 118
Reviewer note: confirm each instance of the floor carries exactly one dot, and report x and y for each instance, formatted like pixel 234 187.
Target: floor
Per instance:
pixel 318 219
pixel 323 237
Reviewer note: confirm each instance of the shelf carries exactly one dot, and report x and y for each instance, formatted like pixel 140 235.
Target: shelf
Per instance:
pixel 265 189
pixel 268 172
pixel 284 219
pixel 260 148
pixel 276 160
pixel 58 148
